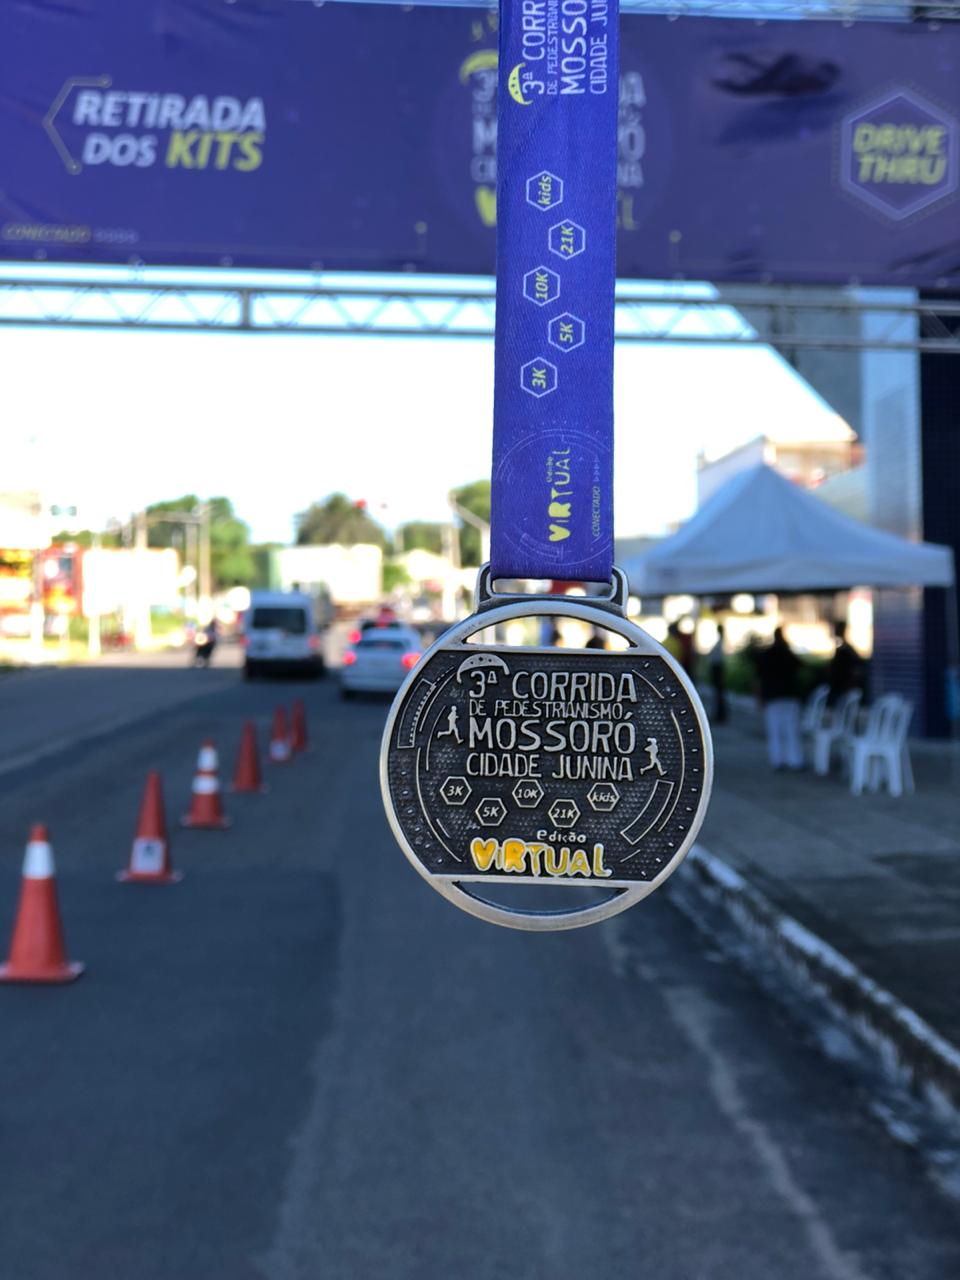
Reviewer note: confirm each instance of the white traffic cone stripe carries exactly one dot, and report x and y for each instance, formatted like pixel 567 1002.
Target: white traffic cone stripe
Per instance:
pixel 147 856
pixel 38 861
pixel 203 785
pixel 208 760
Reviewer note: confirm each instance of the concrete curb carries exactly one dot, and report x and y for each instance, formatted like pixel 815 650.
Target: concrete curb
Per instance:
pixel 906 1048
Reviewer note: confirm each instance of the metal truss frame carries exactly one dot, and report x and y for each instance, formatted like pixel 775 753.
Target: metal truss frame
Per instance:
pixel 408 306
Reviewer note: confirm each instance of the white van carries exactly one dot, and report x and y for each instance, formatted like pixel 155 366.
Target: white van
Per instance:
pixel 281 632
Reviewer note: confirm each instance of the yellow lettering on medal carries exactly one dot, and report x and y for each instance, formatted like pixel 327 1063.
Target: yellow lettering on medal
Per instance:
pixel 513 853
pixel 556 864
pixel 483 853
pixel 579 863
pixel 534 851
pixel 598 868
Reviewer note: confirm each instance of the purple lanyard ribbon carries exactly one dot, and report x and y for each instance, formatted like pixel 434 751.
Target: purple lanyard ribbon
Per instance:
pixel 552 493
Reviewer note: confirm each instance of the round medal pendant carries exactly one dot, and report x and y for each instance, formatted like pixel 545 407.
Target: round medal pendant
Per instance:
pixel 509 764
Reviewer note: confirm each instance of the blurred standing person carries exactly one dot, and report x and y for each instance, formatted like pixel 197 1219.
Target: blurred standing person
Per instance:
pixel 549 633
pixel 688 650
pixel 751 652
pixel 717 660
pixel 597 640
pixel 205 641
pixel 778 668
pixel 846 668
pixel 673 643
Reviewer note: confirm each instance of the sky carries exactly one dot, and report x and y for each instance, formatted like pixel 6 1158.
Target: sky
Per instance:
pixel 111 421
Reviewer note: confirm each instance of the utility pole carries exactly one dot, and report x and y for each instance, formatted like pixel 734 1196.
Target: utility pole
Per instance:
pixel 205 603
pixel 94 647
pixel 142 634
pixel 191 534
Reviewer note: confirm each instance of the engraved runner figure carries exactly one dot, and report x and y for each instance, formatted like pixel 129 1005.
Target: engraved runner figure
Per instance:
pixel 452 730
pixel 651 750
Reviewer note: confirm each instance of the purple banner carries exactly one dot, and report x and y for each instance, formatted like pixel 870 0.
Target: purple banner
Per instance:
pixel 364 138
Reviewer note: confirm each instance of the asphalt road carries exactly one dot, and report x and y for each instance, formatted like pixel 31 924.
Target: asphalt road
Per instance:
pixel 301 1064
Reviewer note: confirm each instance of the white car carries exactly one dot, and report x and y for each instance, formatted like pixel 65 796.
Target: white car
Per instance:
pixel 281 633
pixel 379 659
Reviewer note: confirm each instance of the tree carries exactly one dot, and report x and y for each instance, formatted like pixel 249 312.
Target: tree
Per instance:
pixel 231 559
pixel 338 521
pixel 87 538
pixel 421 535
pixel 476 498
pixel 394 576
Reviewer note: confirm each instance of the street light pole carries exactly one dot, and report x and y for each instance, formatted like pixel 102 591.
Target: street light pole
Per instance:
pixel 451 553
pixel 468 517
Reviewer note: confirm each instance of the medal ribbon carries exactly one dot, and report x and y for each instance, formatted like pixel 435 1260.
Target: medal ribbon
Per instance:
pixel 552 490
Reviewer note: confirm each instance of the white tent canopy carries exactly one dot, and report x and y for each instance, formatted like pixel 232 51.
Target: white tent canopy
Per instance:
pixel 761 532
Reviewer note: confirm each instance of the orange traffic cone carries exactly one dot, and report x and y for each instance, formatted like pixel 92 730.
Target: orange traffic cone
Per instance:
pixel 150 852
pixel 298 727
pixel 246 776
pixel 280 738
pixel 206 810
pixel 37 951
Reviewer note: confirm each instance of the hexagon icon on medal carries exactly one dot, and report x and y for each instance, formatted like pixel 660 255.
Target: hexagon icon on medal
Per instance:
pixel 491 811
pixel 528 793
pixel 564 814
pixel 603 797
pixel 455 790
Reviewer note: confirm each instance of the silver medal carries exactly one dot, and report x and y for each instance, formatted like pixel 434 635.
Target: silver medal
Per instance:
pixel 514 765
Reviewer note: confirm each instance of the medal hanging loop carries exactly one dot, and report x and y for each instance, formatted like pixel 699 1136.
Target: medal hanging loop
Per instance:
pixel 552 475
pixel 613 601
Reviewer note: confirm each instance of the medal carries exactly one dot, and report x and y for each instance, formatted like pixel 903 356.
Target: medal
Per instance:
pixel 508 769
pixel 535 765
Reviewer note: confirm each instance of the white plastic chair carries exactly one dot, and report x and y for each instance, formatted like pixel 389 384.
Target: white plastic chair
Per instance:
pixel 882 748
pixel 836 730
pixel 814 710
